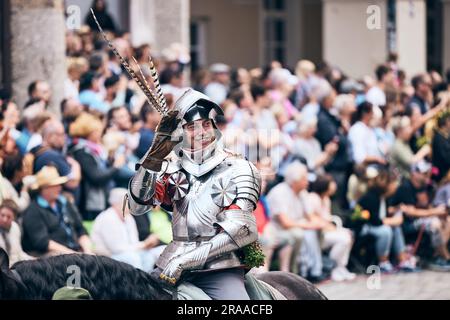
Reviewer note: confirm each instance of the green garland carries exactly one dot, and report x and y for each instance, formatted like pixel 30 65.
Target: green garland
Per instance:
pixel 252 255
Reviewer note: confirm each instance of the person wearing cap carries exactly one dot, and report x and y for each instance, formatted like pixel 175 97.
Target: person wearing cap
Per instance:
pixel 217 89
pixel 115 234
pixel 52 225
pixel 413 199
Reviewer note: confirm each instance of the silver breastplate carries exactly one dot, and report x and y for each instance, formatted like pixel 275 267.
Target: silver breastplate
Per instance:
pixel 198 201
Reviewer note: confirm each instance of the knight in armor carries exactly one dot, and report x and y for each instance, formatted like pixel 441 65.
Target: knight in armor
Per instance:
pixel 210 192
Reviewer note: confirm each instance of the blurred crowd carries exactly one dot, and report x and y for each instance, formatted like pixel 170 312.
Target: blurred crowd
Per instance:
pixel 355 171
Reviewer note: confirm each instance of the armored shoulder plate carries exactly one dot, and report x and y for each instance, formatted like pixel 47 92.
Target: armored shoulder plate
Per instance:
pixel 246 178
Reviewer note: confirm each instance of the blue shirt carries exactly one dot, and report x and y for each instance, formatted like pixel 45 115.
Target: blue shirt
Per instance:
pixel 93 101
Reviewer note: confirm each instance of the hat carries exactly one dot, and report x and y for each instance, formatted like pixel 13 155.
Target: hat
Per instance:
pixel 219 68
pixel 48 176
pixel 421 166
pixel 84 125
pixel 71 293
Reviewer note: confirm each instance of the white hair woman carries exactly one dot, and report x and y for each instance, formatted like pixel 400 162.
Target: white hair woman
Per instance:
pixel 308 147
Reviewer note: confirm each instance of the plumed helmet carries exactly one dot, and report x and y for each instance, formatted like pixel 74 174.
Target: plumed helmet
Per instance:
pixel 194 105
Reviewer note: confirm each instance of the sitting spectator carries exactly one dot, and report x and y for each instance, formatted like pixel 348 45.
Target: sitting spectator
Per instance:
pixel 402 157
pixel 288 216
pixel 413 199
pixel 308 147
pixel 90 93
pixel 121 139
pixel 97 173
pixel 442 196
pixel 34 118
pixel 52 225
pixel 376 95
pixel 10 234
pixel 150 117
pixel 329 128
pixel 335 236
pixel 384 223
pixel 217 89
pixel 422 92
pixel 70 110
pixel 13 186
pixel 115 234
pixel 441 145
pixel 362 137
pixel 40 89
pixel 50 152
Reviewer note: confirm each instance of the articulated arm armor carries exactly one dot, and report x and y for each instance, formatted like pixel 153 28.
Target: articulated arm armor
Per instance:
pixel 238 230
pixel 141 191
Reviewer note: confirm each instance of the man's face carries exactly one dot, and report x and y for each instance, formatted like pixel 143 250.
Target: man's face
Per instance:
pixel 421 178
pixel 425 87
pixel 122 119
pixel 389 77
pixel 57 138
pixel 73 108
pixel 43 91
pixel 6 218
pixel 199 133
pixel 222 77
pixel 51 193
pixel 300 184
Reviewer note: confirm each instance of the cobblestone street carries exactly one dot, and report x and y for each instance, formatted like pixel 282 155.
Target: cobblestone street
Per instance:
pixel 426 285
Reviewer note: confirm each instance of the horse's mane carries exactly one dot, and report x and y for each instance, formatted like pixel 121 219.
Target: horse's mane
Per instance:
pixel 103 277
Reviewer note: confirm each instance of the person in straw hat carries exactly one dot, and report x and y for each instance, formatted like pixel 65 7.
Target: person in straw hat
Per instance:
pixel 52 224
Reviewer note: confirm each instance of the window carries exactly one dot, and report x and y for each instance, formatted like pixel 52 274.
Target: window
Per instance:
pixel 275 30
pixel 198 44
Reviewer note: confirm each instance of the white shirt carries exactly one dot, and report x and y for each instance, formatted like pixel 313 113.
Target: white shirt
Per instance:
pixel 14 236
pixel 282 200
pixel 363 141
pixel 376 96
pixel 112 235
pixel 309 149
pixel 217 92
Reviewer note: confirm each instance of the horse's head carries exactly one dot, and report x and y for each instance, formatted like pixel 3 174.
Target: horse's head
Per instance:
pixel 10 286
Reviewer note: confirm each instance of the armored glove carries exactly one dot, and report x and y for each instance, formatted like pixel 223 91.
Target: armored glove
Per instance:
pixel 163 142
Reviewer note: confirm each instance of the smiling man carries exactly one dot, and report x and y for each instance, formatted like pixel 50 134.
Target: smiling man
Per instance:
pixel 211 193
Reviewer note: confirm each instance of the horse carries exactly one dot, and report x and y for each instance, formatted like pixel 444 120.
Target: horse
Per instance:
pixel 108 279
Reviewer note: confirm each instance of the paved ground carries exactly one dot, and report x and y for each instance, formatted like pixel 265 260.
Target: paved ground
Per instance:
pixel 426 285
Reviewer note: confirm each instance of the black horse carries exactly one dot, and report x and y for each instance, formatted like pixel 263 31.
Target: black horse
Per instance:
pixel 109 279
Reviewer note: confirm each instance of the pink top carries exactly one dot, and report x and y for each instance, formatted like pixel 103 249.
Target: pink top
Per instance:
pixel 276 96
